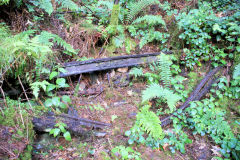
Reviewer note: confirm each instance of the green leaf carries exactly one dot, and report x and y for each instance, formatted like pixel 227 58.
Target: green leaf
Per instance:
pixel 48 102
pixel 130 141
pixel 114 117
pixel 127 133
pixel 61 82
pixel 50 87
pixel 62 70
pixel 51 131
pixel 66 99
pixel 67 136
pixel 63 106
pixel 238 48
pixel 53 74
pixel 35 91
pixel 63 130
pixel 56 101
pixel 56 132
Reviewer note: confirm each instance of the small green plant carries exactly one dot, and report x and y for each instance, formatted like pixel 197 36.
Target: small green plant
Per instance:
pixel 206 118
pixel 48 88
pixel 137 72
pixel 125 153
pixel 60 129
pixel 146 122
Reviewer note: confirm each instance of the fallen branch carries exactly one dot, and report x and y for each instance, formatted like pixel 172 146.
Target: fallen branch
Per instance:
pixel 202 88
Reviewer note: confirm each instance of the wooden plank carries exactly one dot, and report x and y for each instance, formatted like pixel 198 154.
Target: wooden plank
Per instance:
pixel 75 68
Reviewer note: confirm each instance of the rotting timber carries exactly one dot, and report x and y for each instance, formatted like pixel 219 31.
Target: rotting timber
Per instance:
pixel 201 89
pixel 75 68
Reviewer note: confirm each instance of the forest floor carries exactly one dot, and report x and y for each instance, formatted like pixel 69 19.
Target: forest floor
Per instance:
pixel 118 105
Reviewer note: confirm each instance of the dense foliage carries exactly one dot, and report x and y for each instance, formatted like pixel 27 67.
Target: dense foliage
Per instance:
pixel 205 34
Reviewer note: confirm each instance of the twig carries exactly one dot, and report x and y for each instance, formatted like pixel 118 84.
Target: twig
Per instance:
pixel 4 98
pixel 21 114
pixel 25 92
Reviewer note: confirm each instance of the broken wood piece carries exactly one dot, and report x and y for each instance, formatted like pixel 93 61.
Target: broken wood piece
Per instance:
pixel 77 126
pixel 202 88
pixel 74 68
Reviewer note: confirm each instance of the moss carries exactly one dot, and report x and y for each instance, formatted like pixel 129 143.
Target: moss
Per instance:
pixel 105 156
pixel 27 154
pixel 231 105
pixel 16 115
pixel 193 80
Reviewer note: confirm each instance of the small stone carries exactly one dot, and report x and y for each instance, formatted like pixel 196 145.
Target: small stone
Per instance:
pixel 100 134
pixel 112 74
pixel 115 104
pixel 130 93
pixel 122 70
pixel 82 86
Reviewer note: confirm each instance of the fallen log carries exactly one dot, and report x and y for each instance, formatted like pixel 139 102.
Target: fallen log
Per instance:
pixel 202 88
pixel 74 68
pixel 76 125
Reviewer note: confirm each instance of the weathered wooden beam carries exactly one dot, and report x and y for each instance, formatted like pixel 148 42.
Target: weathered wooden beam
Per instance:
pixel 74 68
pixel 201 89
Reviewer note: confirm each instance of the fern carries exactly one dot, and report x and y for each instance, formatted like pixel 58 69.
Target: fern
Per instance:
pixel 156 91
pixel 136 7
pixel 150 20
pixel 2 2
pixel 46 5
pixel 164 64
pixel 136 72
pixel 149 122
pixel 107 4
pixel 236 72
pixel 23 51
pixel 45 38
pixel 69 4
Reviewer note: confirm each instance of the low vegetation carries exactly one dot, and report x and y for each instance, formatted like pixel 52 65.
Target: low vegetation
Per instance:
pixel 38 37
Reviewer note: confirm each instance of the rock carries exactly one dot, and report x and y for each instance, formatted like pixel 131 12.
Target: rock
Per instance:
pixel 130 93
pixel 100 134
pixel 122 70
pixel 82 86
pixel 112 74
pixel 115 104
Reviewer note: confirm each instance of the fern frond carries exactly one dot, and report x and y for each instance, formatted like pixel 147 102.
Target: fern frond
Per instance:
pixel 108 4
pixel 137 72
pixel 236 72
pixel 69 4
pixel 150 123
pixel 20 48
pixel 136 7
pixel 150 20
pixel 46 5
pixel 164 64
pixel 153 91
pixel 156 91
pixel 45 38
pixel 4 31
